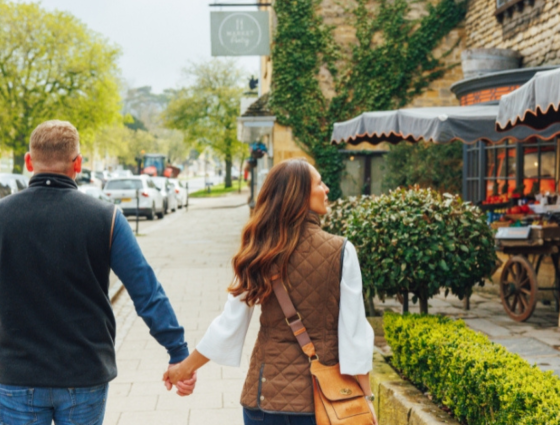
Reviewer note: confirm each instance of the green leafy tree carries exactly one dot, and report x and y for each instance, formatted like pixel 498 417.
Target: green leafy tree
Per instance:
pixel 425 164
pixel 208 108
pixel 53 66
pixel 391 63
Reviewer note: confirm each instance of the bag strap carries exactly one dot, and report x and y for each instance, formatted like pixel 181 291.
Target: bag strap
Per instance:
pixel 290 312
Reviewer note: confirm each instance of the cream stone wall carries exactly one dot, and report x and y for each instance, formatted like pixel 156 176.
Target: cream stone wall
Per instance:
pixel 284 145
pixel 534 31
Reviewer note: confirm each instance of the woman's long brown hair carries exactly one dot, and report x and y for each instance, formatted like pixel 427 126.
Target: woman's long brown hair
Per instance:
pixel 272 233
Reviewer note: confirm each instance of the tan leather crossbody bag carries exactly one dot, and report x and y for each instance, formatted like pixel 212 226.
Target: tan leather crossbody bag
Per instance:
pixel 339 399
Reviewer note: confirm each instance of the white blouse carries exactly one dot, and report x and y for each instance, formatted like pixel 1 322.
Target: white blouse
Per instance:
pixel 223 341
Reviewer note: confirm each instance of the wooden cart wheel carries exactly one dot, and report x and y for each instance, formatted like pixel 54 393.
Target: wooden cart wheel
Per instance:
pixel 518 288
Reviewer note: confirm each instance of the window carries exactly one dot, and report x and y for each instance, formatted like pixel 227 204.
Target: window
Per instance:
pixel 129 184
pixel 500 168
pixel 471 172
pixel 539 167
pixel 532 166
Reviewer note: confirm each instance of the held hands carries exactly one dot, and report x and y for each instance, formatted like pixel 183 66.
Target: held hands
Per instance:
pixel 185 386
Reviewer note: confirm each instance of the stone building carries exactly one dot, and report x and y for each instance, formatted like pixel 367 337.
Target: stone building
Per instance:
pixel 498 47
pixel 363 162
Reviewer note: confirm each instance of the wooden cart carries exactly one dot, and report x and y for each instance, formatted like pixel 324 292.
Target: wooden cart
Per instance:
pixel 518 282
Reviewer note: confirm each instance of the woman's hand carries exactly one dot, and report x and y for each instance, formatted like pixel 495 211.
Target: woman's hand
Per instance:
pixel 183 375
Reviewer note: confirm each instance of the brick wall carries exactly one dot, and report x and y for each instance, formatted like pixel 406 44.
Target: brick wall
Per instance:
pixel 534 31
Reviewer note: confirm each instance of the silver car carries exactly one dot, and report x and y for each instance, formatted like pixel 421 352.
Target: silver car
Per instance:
pixel 97 193
pixel 167 189
pixel 181 192
pixel 123 191
pixel 16 182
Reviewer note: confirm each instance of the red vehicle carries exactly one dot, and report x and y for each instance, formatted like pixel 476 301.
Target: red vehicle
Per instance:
pixel 155 164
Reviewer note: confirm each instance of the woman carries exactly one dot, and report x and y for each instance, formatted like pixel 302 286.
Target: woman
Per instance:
pixel 323 278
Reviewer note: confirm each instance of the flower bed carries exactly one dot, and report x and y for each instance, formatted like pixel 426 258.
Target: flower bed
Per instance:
pixel 478 380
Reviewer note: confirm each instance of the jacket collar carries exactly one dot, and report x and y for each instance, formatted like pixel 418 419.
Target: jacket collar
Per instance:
pixel 58 181
pixel 313 218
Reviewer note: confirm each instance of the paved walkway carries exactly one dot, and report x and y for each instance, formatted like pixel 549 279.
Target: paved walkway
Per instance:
pixel 191 253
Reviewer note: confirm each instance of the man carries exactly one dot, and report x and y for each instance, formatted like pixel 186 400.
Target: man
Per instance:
pixel 57 328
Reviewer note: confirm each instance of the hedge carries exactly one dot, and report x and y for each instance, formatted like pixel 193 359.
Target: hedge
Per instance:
pixel 478 380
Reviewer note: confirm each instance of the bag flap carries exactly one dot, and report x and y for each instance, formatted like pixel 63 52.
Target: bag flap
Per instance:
pixel 334 385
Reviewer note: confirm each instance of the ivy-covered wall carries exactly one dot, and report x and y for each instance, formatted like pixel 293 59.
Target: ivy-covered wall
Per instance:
pixel 333 60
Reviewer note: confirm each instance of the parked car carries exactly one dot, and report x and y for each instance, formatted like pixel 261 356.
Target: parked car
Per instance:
pixel 4 190
pixel 16 182
pixel 104 176
pixel 86 176
pixel 181 192
pixel 167 189
pixel 121 173
pixel 123 192
pixel 97 193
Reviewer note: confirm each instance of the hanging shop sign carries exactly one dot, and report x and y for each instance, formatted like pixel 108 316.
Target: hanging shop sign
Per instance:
pixel 240 33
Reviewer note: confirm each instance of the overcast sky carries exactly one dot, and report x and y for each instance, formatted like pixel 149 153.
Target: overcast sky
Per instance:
pixel 157 37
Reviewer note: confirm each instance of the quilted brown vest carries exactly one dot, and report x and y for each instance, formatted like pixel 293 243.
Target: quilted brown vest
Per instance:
pixel 279 380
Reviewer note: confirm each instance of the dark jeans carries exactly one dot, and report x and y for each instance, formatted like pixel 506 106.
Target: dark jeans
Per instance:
pixel 41 406
pixel 258 417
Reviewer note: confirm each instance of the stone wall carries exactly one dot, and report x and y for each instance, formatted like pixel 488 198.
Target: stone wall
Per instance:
pixel 533 31
pixel 335 13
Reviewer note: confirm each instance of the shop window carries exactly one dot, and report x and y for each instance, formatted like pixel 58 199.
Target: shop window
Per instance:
pixel 539 167
pixel 531 166
pixel 500 169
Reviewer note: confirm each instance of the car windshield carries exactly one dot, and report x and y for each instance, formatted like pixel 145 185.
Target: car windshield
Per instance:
pixel 124 184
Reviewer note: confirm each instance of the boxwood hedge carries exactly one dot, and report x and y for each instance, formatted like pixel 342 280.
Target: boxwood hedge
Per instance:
pixel 480 381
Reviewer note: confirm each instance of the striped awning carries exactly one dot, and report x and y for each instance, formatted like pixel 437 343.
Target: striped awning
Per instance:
pixel 468 124
pixel 536 104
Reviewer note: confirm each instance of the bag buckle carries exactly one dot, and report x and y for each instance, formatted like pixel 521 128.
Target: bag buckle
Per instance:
pixel 299 317
pixel 313 358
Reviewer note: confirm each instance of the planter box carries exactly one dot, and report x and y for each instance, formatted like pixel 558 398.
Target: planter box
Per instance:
pixel 398 402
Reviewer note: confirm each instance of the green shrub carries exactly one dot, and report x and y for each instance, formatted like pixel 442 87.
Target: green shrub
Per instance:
pixel 480 381
pixel 336 221
pixel 419 241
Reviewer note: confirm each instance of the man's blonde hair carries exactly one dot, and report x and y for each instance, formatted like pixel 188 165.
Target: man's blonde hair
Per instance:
pixel 54 143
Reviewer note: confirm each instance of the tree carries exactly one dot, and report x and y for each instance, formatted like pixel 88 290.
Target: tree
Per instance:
pixel 207 110
pixel 425 164
pixel 53 66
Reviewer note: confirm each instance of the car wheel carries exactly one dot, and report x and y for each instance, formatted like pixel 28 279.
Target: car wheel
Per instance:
pixel 152 213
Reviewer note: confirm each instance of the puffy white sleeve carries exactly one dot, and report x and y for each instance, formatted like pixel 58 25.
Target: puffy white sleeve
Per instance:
pixel 355 335
pixel 223 341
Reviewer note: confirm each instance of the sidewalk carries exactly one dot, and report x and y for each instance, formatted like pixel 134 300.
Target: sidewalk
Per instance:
pixel 191 253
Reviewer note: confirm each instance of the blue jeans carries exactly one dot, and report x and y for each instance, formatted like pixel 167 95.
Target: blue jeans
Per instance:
pixel 258 417
pixel 41 406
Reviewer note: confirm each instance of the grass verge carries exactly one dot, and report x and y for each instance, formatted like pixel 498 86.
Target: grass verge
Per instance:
pixel 218 190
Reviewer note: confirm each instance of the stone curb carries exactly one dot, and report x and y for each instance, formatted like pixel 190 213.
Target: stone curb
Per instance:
pixel 398 402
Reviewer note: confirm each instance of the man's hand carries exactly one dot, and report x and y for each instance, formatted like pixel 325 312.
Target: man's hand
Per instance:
pixel 185 387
